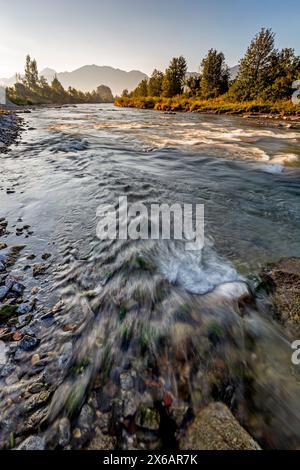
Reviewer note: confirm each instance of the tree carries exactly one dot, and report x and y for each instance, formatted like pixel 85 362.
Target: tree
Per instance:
pixel 215 75
pixel 125 93
pixel 253 76
pixel 155 83
pixel 192 84
pixel 31 76
pixel 141 89
pixel 59 94
pixel 174 77
pixel 283 70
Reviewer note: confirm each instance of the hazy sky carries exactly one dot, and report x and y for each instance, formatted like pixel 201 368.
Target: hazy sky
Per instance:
pixel 136 34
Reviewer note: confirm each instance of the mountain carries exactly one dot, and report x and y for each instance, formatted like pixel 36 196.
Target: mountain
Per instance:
pixel 233 71
pixel 88 77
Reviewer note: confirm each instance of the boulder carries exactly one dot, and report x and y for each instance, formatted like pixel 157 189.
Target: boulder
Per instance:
pixel 32 443
pixel 215 428
pixel 283 281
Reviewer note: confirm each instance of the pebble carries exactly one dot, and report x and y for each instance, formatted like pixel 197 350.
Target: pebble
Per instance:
pixel 64 430
pixel 3 292
pixel 3 355
pixel 126 381
pixel 28 343
pixel 39 269
pixel 35 359
pixel 18 288
pixel 23 309
pixel 32 443
pixel 77 433
pixel 17 336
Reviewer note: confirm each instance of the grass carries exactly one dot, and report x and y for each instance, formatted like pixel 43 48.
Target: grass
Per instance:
pixel 217 106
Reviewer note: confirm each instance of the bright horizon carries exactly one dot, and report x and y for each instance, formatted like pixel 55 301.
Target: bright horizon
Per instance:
pixel 131 35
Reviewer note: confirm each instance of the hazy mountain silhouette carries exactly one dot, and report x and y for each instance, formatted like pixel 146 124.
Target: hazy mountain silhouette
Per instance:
pixel 88 77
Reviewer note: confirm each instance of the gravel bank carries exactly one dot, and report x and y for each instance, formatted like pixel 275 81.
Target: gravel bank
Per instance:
pixel 10 127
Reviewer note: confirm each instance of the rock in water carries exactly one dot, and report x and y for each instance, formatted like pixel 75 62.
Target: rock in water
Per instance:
pixel 3 356
pixel 215 428
pixel 283 280
pixel 28 343
pixel 32 443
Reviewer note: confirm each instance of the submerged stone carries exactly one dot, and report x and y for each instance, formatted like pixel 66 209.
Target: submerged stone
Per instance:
pixel 215 428
pixel 32 443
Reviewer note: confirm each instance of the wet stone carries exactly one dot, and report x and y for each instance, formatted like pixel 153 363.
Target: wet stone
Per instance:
pixel 28 343
pixel 126 381
pixel 3 292
pixel 215 428
pixel 32 443
pixel 86 417
pixel 3 353
pixel 23 309
pixel 18 288
pixel 39 269
pixel 64 432
pixel 148 418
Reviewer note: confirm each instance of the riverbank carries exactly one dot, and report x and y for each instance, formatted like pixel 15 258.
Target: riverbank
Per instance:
pixel 11 124
pixel 285 110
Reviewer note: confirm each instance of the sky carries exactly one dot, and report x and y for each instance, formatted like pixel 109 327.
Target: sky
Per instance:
pixel 137 34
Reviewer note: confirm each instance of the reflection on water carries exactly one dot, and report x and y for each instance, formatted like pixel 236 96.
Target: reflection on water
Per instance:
pixel 142 319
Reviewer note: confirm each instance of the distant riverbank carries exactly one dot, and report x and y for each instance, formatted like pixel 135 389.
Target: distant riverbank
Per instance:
pixel 280 110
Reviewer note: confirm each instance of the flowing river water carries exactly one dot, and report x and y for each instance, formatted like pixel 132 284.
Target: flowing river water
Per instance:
pixel 131 325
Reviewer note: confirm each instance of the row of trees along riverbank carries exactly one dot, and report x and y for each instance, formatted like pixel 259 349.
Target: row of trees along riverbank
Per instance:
pixel 34 89
pixel 263 83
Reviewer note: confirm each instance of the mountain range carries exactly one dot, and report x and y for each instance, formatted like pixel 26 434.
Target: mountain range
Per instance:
pixel 88 77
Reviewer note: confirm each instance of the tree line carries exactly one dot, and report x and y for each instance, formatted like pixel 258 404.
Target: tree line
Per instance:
pixel 264 73
pixel 31 88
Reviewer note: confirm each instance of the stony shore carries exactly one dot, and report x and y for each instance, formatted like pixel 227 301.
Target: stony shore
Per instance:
pixel 11 125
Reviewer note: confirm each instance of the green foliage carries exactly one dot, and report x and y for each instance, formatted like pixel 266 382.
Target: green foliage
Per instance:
pixel 174 77
pixel 255 66
pixel 215 75
pixel 264 83
pixel 265 73
pixel 125 93
pixel 155 83
pixel 7 311
pixel 283 70
pixel 192 85
pixel 32 89
pixel 141 89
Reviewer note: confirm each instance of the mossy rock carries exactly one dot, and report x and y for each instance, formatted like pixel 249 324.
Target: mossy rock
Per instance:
pixel 148 418
pixel 7 311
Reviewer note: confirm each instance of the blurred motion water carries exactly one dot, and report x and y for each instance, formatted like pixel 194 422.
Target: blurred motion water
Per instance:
pixel 142 319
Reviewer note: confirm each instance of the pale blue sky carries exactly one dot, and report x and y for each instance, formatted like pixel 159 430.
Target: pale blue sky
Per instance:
pixel 137 34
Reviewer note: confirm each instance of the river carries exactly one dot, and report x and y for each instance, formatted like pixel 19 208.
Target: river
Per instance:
pixel 137 321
